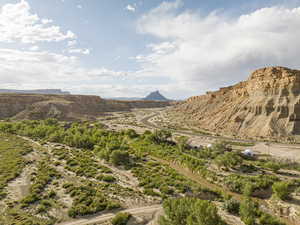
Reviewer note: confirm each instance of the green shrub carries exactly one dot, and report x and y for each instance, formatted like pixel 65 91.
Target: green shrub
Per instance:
pixel 190 211
pixel 109 178
pixel 281 190
pixel 121 219
pixel 275 167
pixel 118 158
pixel 248 211
pixel 232 206
pixel 266 219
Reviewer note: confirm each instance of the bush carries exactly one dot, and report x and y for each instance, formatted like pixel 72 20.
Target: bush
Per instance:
pixel 281 190
pixel 266 219
pixel 275 167
pixel 121 219
pixel 232 206
pixel 118 158
pixel 248 211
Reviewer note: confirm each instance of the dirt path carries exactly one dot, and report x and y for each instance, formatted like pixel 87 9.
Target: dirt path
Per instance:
pixel 108 216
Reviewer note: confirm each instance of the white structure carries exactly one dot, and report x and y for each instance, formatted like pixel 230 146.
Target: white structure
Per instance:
pixel 248 152
pixel 209 146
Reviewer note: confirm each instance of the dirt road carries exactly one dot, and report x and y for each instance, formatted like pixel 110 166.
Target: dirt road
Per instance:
pixel 284 151
pixel 108 216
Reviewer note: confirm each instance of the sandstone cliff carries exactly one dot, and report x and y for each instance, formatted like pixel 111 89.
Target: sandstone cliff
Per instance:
pixel 266 105
pixel 64 107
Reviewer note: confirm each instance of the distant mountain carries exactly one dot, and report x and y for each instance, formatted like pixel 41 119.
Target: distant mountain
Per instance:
pixel 38 91
pixel 156 96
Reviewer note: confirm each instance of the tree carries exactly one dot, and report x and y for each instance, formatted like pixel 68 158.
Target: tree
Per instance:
pixel 160 136
pixel 281 190
pixel 190 211
pixel 121 219
pixel 228 160
pixel 118 158
pixel 182 143
pixel 248 211
pixel 275 167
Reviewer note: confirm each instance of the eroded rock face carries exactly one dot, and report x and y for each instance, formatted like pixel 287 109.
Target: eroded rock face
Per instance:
pixel 266 105
pixel 64 107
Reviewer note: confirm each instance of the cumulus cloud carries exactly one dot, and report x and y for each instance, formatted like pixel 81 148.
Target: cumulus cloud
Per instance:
pixel 203 52
pixel 30 69
pixel 131 8
pixel 18 24
pixel 33 68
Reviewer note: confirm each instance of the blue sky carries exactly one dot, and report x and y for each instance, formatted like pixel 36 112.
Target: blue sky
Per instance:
pixel 116 48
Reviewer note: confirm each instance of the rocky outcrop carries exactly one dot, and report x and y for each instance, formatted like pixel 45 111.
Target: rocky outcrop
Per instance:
pixel 64 107
pixel 266 105
pixel 155 96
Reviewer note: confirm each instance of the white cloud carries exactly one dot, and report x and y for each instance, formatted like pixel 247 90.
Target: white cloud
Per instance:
pixel 79 6
pixel 34 48
pixel 205 52
pixel 72 43
pixel 131 8
pixel 18 24
pixel 28 69
pixel 80 51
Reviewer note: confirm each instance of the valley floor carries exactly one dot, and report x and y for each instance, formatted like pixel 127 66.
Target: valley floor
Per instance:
pixel 86 173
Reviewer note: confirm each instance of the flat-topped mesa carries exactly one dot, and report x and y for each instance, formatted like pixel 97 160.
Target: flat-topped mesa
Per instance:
pixel 265 105
pixel 274 81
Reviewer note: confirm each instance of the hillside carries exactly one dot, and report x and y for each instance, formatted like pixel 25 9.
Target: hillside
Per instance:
pixel 64 107
pixel 265 105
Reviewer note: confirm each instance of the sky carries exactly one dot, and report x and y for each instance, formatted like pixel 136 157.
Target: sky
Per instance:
pixel 128 48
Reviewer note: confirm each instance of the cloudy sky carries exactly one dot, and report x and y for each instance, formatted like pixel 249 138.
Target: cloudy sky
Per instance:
pixel 127 48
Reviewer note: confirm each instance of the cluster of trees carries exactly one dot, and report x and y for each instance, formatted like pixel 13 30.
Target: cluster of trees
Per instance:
pixel 248 184
pixel 190 211
pixel 152 176
pixel 88 199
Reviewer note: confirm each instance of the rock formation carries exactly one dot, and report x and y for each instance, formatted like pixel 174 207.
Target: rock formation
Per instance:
pixel 266 105
pixel 64 107
pixel 155 96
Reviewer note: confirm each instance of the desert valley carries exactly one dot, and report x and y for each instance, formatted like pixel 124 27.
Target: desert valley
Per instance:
pixel 139 112
pixel 232 156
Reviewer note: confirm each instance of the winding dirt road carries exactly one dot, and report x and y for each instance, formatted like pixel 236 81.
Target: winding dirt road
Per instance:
pixel 105 217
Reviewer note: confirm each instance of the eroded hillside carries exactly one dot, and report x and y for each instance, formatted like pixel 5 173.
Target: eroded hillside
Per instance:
pixel 64 107
pixel 266 105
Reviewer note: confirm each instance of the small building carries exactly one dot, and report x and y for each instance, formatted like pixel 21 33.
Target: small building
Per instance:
pixel 209 146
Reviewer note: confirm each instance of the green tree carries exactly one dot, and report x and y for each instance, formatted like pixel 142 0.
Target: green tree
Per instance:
pixel 121 219
pixel 228 160
pixel 190 211
pixel 182 143
pixel 281 190
pixel 248 211
pixel 118 158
